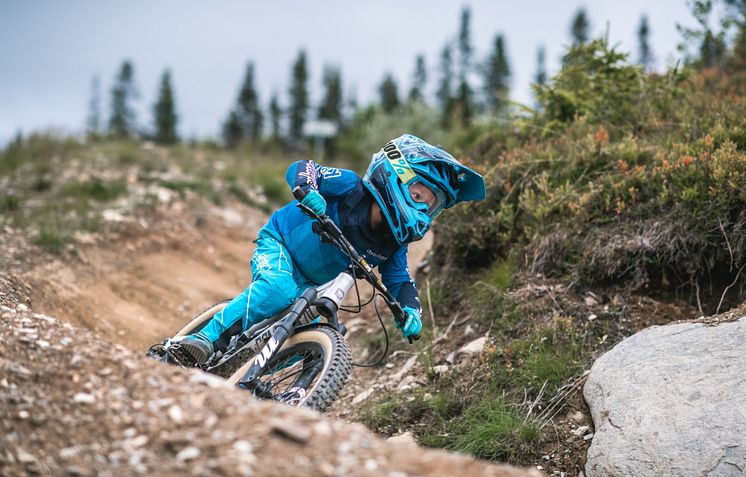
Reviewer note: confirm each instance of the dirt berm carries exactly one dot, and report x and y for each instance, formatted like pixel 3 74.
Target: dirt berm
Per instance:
pixel 74 404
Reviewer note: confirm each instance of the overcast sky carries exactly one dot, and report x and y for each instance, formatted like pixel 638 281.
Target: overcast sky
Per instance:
pixel 51 49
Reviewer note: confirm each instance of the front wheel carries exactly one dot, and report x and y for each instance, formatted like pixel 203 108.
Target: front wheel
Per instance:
pixel 310 369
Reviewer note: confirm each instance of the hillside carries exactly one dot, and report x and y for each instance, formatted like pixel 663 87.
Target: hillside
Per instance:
pixel 616 205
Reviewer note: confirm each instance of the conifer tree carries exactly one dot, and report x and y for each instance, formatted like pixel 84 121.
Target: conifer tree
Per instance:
pixel 497 76
pixel 580 27
pixel 417 93
pixel 331 105
pixel 164 112
pixel 645 57
pixel 275 114
pixel 93 122
pixel 298 108
pixel 464 97
pixel 389 94
pixel 122 119
pixel 233 132
pixel 445 87
pixel 247 107
pixel 541 68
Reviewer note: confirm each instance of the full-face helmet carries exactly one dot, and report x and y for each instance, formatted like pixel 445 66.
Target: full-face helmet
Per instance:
pixel 413 182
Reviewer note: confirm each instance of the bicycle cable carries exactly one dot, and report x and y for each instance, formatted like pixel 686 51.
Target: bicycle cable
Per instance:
pixel 360 307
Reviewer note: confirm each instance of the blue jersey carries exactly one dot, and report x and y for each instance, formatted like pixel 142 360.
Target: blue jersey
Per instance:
pixel 348 204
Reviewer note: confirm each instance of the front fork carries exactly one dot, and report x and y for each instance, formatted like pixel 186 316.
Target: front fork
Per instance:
pixel 283 329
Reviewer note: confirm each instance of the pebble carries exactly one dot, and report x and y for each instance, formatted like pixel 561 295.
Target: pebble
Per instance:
pixel 292 431
pixel 25 458
pixel 243 447
pixel 175 413
pixel 139 441
pixel 579 431
pixel 188 453
pixel 84 398
pixel 65 341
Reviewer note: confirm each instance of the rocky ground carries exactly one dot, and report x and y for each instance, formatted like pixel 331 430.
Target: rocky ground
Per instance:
pixel 75 404
pixel 79 398
pixel 140 280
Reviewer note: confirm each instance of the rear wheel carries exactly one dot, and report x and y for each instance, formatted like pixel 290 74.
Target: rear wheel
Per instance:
pixel 310 369
pixel 201 319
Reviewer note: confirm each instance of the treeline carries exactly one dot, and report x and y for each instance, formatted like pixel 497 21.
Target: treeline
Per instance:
pixel 465 87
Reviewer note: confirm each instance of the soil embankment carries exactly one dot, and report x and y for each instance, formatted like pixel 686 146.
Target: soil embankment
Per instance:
pixel 79 397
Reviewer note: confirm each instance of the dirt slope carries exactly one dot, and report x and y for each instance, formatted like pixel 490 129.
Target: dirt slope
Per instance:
pixel 74 404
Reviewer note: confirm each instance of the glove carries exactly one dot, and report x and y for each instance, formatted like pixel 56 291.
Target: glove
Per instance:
pixel 314 201
pixel 412 322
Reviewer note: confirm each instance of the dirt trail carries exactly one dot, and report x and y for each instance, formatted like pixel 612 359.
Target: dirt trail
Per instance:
pixel 143 285
pixel 75 404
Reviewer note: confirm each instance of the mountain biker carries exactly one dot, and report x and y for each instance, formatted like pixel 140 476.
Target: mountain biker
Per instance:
pixel 408 183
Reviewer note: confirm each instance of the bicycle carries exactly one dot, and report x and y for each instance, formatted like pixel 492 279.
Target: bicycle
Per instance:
pixel 294 357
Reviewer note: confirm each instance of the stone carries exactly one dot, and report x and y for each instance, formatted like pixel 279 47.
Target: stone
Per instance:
pixel 291 431
pixel 405 439
pixel 84 398
pixel 472 347
pixel 669 401
pixel 188 453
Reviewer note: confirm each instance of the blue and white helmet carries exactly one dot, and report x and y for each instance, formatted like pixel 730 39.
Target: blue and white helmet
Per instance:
pixel 402 167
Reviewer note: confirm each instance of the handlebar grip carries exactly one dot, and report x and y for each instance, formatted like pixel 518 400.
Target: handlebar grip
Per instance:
pixel 299 193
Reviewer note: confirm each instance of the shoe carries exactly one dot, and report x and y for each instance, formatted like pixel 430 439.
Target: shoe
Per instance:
pixel 198 347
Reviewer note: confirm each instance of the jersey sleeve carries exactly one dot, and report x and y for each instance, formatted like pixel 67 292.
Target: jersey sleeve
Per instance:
pixel 331 182
pixel 395 275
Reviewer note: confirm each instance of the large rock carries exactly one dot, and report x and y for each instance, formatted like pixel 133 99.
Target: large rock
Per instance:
pixel 671 401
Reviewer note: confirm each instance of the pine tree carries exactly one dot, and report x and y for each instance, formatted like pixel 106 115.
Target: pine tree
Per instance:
pixel 389 94
pixel 124 91
pixel 445 87
pixel 233 132
pixel 497 76
pixel 417 93
pixel 164 112
pixel 465 101
pixel 331 105
pixel 580 27
pixel 541 67
pixel 643 39
pixel 275 114
pixel 247 107
pixel 93 121
pixel 298 108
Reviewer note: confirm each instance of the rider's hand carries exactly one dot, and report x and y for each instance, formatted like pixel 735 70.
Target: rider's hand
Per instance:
pixel 314 201
pixel 412 322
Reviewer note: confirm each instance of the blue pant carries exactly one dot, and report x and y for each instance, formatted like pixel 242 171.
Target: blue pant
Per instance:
pixel 275 284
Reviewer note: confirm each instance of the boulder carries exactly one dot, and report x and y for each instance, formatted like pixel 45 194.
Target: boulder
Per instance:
pixel 671 401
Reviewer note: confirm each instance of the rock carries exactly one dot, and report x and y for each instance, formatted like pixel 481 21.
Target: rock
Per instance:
pixel 669 401
pixel 84 398
pixel 405 439
pixel 440 369
pixel 363 396
pixel 399 375
pixel 291 430
pixel 188 453
pixel 175 413
pixel 472 347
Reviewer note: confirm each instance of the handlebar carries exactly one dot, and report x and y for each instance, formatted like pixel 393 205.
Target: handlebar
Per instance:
pixel 329 232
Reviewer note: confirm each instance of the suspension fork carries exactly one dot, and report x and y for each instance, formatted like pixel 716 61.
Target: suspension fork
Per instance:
pixel 283 329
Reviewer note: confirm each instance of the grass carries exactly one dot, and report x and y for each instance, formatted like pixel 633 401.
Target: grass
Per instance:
pixel 493 429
